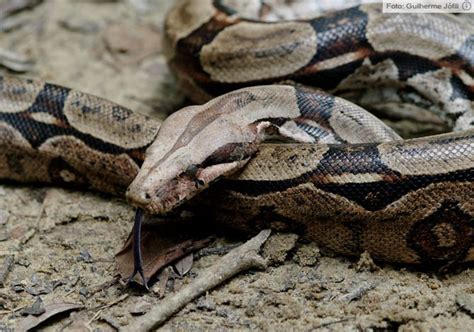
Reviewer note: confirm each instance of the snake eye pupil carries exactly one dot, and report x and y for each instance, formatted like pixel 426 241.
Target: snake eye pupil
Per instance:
pixel 199 183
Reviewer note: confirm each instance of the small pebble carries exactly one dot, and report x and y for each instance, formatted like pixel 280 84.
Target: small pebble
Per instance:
pixel 140 308
pixel 206 304
pixel 4 236
pixel 4 215
pixel 85 256
pixel 466 301
pixel 80 25
pixel 307 255
pixel 277 247
pixel 36 309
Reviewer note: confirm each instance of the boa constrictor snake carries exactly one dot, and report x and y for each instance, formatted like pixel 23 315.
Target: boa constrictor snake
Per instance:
pixel 345 179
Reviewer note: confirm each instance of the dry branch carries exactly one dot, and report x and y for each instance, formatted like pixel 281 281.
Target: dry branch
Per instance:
pixel 238 260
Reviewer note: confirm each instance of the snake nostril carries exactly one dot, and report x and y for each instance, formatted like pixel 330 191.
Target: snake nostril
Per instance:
pixel 141 198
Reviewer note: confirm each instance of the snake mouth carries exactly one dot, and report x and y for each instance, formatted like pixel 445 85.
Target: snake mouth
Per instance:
pixel 174 193
pixel 163 198
pixel 166 197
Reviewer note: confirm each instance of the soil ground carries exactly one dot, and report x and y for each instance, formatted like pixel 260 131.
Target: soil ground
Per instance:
pixel 58 245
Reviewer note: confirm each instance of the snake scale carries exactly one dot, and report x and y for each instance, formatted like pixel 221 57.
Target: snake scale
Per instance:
pixel 341 176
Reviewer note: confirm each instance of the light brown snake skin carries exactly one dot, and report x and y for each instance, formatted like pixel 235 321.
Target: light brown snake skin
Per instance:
pixel 347 180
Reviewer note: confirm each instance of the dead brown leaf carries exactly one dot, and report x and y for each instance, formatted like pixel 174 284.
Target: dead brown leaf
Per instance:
pixel 184 265
pixel 51 310
pixel 163 242
pixel 163 278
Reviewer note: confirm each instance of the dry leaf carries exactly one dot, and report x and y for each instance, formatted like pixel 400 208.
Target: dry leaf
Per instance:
pixel 163 242
pixel 51 310
pixel 163 278
pixel 184 265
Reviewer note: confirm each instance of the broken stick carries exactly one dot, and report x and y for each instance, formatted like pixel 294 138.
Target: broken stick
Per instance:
pixel 238 260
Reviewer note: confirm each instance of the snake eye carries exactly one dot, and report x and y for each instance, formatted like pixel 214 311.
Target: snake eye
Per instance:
pixel 199 183
pixel 191 171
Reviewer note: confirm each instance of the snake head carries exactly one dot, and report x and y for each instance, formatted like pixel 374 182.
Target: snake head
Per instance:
pixel 194 147
pixel 200 144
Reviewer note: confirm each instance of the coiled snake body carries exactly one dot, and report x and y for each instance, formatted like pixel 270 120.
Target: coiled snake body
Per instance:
pixel 345 180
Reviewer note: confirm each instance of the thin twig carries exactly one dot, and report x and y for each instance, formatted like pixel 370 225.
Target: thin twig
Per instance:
pixel 357 293
pixel 3 312
pixel 238 260
pixel 320 326
pixel 114 302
